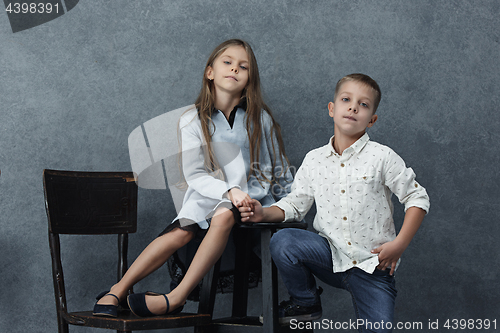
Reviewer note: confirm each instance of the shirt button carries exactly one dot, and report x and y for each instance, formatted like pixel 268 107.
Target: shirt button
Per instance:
pixel 342 191
pixel 342 164
pixel 354 262
pixel 345 218
pixel 348 243
pixel 416 185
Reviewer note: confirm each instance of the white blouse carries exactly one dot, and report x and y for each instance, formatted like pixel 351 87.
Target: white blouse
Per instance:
pixel 205 193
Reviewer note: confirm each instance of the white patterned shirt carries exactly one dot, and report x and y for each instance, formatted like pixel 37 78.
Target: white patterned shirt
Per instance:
pixel 353 192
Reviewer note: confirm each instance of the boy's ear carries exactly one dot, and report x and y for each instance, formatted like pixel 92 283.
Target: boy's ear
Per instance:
pixel 209 73
pixel 331 106
pixel 373 120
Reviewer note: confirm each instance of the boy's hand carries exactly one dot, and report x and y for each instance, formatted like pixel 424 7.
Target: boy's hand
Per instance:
pixel 389 254
pixel 252 213
pixel 238 197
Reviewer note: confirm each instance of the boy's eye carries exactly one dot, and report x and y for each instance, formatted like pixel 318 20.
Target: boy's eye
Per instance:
pixel 345 99
pixel 364 105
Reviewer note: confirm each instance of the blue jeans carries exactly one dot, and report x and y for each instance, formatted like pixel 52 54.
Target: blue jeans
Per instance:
pixel 300 255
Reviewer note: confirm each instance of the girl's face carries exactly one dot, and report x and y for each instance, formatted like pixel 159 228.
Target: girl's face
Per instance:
pixel 230 71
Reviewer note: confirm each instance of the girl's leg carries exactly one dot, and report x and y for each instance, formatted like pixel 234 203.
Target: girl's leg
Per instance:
pixel 151 258
pixel 209 251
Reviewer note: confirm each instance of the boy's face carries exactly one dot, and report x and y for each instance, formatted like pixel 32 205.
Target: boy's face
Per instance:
pixel 352 110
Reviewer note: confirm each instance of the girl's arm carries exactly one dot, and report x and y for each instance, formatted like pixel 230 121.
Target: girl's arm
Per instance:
pixel 193 162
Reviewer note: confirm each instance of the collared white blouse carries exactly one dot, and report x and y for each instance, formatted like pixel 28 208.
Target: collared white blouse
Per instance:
pixel 205 192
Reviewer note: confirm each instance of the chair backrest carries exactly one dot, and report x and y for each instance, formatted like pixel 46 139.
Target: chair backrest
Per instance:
pixel 88 203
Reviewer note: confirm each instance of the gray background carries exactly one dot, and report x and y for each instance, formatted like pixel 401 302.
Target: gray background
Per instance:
pixel 74 88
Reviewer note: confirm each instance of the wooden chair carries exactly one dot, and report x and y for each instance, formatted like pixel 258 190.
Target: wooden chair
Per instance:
pixel 97 203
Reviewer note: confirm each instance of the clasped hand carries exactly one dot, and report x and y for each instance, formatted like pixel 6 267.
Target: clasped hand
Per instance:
pixel 239 198
pixel 253 212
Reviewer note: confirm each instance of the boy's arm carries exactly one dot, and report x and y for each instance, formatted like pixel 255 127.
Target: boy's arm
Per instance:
pixel 390 252
pixel 260 214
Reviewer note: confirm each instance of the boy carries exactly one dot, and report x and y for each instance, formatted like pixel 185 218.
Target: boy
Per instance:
pixel 355 247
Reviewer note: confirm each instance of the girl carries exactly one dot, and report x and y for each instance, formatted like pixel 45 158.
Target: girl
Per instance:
pixel 230 113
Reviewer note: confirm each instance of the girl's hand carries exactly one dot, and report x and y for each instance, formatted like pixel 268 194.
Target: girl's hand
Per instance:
pixel 252 213
pixel 238 197
pixel 389 254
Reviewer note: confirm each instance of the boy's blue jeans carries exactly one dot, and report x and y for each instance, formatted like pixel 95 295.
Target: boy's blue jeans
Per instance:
pixel 300 255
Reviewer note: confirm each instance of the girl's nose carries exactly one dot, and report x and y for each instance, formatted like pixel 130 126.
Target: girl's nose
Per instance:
pixel 235 69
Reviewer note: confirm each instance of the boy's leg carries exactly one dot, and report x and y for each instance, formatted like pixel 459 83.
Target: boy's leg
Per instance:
pixel 299 255
pixel 373 297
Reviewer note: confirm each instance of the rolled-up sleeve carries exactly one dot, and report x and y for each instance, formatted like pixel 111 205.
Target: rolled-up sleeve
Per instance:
pixel 401 181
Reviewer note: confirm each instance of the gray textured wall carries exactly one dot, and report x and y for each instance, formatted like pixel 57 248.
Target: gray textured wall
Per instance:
pixel 74 88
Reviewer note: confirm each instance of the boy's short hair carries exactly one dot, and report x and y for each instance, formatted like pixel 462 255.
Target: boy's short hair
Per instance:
pixel 362 78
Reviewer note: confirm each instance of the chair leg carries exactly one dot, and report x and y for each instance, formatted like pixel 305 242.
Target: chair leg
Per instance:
pixel 241 272
pixel 269 285
pixel 207 296
pixel 63 326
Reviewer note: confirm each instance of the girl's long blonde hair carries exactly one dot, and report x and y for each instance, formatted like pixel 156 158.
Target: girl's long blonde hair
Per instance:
pixel 205 104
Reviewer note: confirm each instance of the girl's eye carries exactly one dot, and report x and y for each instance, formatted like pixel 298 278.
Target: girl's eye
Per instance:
pixel 244 67
pixel 227 62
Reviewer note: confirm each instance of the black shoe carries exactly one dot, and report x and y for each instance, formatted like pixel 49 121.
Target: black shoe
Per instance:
pixel 106 310
pixel 137 304
pixel 288 310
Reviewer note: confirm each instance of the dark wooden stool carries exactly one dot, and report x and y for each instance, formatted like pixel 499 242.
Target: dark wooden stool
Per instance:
pixel 269 277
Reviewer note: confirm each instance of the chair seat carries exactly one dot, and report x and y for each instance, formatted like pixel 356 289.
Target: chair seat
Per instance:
pixel 273 225
pixel 127 321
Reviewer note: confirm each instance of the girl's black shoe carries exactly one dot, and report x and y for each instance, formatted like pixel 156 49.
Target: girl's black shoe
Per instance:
pixel 137 304
pixel 106 310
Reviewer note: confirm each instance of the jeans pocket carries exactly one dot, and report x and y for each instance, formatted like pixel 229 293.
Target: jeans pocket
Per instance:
pixel 380 272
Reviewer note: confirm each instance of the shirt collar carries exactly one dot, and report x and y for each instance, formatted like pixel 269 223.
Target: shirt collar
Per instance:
pixel 241 105
pixel 355 147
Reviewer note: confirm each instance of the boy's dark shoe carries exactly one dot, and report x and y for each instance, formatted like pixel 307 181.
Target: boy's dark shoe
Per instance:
pixel 288 310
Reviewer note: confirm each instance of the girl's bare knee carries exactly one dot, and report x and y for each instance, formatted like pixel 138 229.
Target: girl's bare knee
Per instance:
pixel 223 218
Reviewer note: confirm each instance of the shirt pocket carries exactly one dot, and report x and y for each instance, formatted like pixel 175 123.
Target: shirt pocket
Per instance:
pixel 366 176
pixel 366 182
